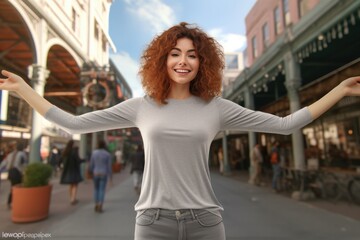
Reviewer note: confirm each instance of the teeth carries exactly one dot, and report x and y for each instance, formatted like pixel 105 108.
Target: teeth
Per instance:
pixel 181 70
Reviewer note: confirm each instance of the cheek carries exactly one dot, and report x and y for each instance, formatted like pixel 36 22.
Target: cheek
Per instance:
pixel 196 68
pixel 168 65
pixel 196 64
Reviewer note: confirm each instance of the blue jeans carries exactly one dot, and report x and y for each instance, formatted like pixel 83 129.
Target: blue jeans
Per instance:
pixel 190 224
pixel 276 176
pixel 99 188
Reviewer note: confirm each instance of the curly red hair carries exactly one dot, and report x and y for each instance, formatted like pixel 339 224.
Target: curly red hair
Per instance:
pixel 155 79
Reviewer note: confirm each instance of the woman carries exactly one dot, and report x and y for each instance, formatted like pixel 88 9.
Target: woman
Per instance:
pixel 178 118
pixel 71 171
pixel 100 168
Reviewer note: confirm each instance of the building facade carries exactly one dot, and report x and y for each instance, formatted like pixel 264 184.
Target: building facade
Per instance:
pixel 298 50
pixel 49 43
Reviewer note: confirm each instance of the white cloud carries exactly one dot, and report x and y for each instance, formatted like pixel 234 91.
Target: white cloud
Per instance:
pixel 129 68
pixel 231 42
pixel 153 12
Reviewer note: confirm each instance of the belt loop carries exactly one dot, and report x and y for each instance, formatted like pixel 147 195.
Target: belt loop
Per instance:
pixel 192 214
pixel 157 214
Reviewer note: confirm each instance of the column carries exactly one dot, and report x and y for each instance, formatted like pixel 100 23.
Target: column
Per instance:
pixel 249 103
pixel 293 82
pixel 37 75
pixel 83 149
pixel 83 146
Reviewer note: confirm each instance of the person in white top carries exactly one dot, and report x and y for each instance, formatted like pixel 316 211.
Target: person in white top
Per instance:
pixel 255 165
pixel 178 118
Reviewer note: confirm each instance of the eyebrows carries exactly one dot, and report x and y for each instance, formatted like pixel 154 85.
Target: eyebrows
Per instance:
pixel 178 49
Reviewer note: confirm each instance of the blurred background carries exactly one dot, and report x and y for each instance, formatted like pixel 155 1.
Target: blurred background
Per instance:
pixel 281 55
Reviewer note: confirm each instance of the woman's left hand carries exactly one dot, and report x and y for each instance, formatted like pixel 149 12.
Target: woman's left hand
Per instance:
pixel 351 86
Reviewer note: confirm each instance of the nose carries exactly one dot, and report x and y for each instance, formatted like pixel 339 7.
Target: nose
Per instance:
pixel 182 61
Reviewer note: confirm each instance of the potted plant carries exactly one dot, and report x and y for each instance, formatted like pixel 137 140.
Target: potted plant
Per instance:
pixel 31 200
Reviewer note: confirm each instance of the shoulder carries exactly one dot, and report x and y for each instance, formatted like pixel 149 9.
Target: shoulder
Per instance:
pixel 133 101
pixel 134 104
pixel 225 104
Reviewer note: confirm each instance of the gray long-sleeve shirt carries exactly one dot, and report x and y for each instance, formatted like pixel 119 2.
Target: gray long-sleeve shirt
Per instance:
pixel 177 138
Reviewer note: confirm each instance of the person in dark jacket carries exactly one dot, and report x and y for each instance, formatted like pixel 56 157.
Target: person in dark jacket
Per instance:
pixel 54 159
pixel 71 171
pixel 137 167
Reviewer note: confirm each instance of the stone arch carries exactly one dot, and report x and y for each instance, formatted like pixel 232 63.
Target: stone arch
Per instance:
pixel 20 48
pixel 63 86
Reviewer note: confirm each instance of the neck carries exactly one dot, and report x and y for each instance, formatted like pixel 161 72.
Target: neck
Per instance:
pixel 179 92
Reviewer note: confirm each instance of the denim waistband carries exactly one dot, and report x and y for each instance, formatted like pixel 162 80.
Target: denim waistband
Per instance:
pixel 185 214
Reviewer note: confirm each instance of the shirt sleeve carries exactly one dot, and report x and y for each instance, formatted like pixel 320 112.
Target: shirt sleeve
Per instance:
pixel 122 115
pixel 235 117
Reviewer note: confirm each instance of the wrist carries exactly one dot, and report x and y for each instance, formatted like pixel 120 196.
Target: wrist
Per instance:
pixel 23 88
pixel 340 90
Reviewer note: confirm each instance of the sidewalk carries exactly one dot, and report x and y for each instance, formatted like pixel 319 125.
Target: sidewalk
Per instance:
pixel 250 213
pixel 60 208
pixel 342 207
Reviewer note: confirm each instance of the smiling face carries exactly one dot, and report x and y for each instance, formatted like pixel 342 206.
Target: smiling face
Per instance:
pixel 182 62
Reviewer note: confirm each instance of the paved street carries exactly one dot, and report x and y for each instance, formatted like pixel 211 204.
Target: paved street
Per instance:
pixel 251 213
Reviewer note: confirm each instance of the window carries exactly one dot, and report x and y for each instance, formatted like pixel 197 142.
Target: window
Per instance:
pixel 254 47
pixel 96 31
pixel 104 44
pixel 277 20
pixel 19 112
pixel 73 18
pixel 303 7
pixel 231 61
pixel 75 24
pixel 286 12
pixel 266 35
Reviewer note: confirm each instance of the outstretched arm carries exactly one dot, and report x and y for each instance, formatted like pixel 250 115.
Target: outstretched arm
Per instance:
pixel 235 117
pixel 348 87
pixel 122 115
pixel 15 83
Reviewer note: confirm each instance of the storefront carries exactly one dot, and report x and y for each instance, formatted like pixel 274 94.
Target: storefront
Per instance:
pixel 10 135
pixel 336 136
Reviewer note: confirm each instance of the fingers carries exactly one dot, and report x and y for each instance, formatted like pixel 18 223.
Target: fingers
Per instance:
pixel 5 73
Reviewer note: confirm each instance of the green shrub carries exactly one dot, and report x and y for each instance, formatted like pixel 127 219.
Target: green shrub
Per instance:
pixel 37 174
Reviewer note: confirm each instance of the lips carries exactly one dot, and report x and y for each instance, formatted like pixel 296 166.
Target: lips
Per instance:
pixel 182 70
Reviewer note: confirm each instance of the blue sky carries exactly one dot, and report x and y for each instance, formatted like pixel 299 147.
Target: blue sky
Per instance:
pixel 134 23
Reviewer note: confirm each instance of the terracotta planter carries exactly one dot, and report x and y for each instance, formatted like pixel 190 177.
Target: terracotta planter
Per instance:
pixel 116 167
pixel 30 204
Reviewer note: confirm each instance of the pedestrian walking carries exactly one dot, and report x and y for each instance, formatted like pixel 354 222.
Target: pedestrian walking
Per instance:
pixel 100 168
pixel 71 173
pixel 14 163
pixel 180 115
pixel 54 159
pixel 137 167
pixel 256 165
pixel 220 156
pixel 119 157
pixel 276 168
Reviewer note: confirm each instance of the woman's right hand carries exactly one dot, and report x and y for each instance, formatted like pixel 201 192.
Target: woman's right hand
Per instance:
pixel 13 82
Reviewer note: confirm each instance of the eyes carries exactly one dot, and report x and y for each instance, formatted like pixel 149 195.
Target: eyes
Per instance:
pixel 177 54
